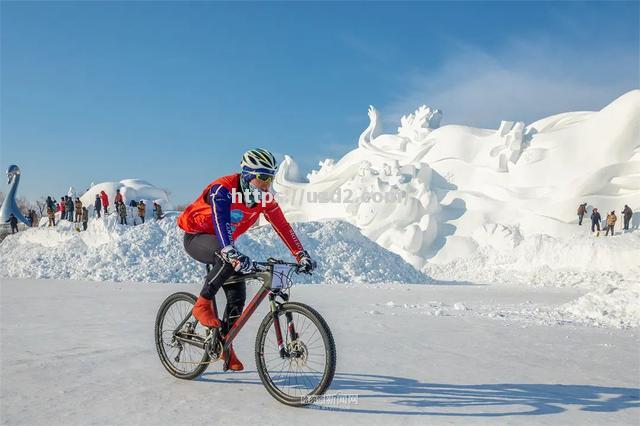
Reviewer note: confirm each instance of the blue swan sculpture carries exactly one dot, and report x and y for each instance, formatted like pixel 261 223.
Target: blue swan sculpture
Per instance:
pixel 9 205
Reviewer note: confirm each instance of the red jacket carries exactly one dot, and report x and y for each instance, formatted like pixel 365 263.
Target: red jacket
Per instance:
pixel 104 198
pixel 217 211
pixel 119 198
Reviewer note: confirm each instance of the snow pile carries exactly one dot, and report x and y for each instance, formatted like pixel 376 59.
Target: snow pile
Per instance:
pixel 153 252
pixel 609 305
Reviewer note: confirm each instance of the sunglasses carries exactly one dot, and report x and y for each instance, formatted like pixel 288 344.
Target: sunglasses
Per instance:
pixel 262 177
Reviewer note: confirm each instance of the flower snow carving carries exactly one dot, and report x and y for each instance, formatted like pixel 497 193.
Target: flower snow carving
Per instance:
pixel 413 125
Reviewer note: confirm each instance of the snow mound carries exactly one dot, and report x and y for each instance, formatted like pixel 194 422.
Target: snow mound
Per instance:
pixel 542 260
pixel 609 305
pixel 153 252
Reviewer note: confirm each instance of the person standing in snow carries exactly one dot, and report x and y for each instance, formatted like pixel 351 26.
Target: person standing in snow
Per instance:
pixel 69 209
pixel 627 213
pixel 141 210
pixel 118 198
pixel 34 218
pixel 216 219
pixel 157 210
pixel 50 203
pixel 595 220
pixel 85 218
pixel 97 205
pixel 582 210
pixel 78 207
pixel 62 207
pixel 105 202
pixel 13 221
pixel 611 222
pixel 122 210
pixel 51 214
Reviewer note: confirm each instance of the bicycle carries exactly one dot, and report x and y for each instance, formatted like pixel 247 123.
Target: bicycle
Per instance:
pixel 295 368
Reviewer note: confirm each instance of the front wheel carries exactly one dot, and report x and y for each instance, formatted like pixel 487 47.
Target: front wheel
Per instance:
pixel 303 367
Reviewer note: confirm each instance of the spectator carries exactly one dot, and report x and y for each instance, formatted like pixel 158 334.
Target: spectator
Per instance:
pixel 627 213
pixel 62 207
pixel 33 216
pixel 122 209
pixel 119 198
pixel 51 204
pixel 611 222
pixel 85 218
pixel 78 206
pixel 157 210
pixel 105 202
pixel 582 210
pixel 69 209
pixel 141 210
pixel 595 220
pixel 14 223
pixel 97 205
pixel 51 214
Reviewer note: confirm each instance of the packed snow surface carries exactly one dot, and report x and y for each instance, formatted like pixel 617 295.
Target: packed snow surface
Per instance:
pixel 153 252
pixel 82 352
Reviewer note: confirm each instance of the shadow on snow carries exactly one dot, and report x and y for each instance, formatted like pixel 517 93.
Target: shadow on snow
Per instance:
pixel 404 396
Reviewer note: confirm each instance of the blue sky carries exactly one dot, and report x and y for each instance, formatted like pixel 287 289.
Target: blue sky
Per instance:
pixel 174 92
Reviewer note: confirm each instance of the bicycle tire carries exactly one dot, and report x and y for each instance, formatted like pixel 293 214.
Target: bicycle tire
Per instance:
pixel 329 349
pixel 164 357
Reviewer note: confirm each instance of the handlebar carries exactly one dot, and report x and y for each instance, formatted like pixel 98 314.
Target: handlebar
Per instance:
pixel 264 266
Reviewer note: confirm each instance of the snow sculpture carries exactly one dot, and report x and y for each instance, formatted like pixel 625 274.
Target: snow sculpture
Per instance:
pixel 9 206
pixel 131 189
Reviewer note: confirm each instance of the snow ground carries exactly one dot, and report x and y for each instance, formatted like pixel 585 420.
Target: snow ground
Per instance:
pixel 81 352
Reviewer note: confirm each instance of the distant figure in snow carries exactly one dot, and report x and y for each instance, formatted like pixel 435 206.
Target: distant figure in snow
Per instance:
pixel 122 209
pixel 119 198
pixel 69 209
pixel 62 207
pixel 157 210
pixel 51 214
pixel 582 210
pixel 78 210
pixel 141 210
pixel 13 221
pixel 595 220
pixel 34 218
pixel 97 205
pixel 105 202
pixel 51 203
pixel 85 218
pixel 611 222
pixel 627 213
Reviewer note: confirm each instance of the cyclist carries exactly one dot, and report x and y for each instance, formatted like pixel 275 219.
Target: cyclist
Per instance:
pixel 227 207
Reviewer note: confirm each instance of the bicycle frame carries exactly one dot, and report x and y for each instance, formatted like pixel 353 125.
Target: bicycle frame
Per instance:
pixel 264 291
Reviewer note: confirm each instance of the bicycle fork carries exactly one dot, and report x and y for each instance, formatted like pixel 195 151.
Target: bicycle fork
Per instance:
pixel 276 324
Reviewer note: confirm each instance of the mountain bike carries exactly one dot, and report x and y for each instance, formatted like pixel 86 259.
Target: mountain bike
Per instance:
pixel 294 349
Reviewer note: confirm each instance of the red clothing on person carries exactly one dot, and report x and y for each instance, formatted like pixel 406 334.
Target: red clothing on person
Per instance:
pixel 231 217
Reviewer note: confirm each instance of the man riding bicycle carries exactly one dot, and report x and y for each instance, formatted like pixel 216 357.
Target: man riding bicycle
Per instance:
pixel 227 207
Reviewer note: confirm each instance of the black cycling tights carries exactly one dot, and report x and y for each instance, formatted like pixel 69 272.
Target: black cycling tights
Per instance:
pixel 203 248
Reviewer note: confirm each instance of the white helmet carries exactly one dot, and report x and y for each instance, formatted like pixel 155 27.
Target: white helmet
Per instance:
pixel 259 161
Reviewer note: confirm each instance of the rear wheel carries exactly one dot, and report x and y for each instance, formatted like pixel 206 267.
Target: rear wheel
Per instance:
pixel 309 362
pixel 175 329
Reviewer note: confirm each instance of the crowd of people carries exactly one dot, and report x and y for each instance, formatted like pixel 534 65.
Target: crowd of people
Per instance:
pixel 608 223
pixel 74 211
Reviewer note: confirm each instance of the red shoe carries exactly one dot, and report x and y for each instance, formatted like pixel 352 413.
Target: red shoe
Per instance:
pixel 203 312
pixel 234 362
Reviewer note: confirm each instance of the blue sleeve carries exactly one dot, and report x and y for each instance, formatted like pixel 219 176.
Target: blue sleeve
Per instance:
pixel 221 214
